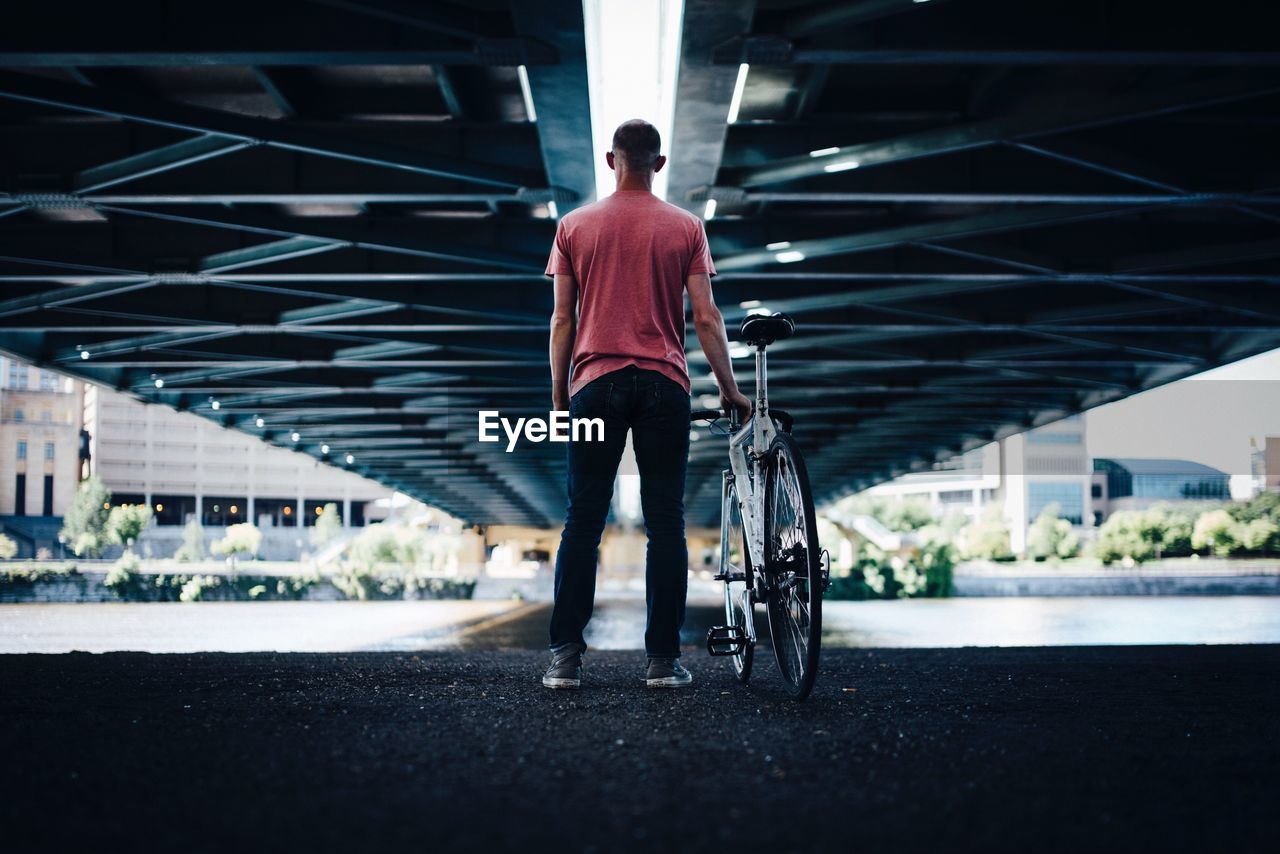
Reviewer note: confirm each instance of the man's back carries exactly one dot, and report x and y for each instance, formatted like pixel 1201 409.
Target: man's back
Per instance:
pixel 630 254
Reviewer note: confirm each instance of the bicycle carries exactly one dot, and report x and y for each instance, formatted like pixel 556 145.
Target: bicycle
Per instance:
pixel 769 550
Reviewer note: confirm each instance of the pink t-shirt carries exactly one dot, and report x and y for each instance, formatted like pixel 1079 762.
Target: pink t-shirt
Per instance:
pixel 630 254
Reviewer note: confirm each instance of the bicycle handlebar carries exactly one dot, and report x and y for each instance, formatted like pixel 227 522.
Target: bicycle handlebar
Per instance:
pixel 784 417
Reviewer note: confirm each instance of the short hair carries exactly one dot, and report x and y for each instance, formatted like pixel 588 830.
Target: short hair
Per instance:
pixel 638 144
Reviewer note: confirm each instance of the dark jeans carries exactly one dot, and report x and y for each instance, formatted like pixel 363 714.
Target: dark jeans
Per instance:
pixel 656 410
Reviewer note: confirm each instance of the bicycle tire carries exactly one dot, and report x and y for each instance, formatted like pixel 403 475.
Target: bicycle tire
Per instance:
pixel 733 534
pixel 792 558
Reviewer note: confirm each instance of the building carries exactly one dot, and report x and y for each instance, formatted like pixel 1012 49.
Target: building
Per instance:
pixel 187 467
pixel 1134 484
pixel 1271 464
pixel 1025 473
pixel 40 451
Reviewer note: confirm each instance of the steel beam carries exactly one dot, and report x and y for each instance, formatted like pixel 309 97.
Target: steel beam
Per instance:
pixel 990 223
pixel 703 93
pixel 153 162
pixel 561 98
pixel 1060 116
pixel 358 233
pixel 248 129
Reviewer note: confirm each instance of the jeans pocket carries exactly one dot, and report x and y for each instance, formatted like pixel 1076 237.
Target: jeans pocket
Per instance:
pixel 592 401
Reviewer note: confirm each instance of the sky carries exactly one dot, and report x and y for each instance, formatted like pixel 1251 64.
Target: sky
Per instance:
pixel 1208 418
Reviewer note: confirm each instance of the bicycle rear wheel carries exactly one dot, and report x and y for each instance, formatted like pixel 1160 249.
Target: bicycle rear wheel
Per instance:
pixel 794 579
pixel 736 566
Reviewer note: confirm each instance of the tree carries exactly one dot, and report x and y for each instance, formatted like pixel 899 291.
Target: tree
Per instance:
pixel 1258 535
pixel 1121 538
pixel 1050 536
pixel 8 548
pixel 327 528
pixel 84 524
pixel 986 537
pixel 192 548
pixel 1216 531
pixel 244 538
pixel 126 522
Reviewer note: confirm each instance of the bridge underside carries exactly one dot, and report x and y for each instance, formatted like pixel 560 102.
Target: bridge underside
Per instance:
pixel 331 218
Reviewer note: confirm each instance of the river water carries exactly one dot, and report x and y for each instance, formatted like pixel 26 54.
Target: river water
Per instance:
pixel 619 624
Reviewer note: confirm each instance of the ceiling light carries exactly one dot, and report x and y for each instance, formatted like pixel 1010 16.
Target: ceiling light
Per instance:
pixel 842 166
pixel 758 310
pixel 711 209
pixel 523 74
pixel 781 244
pixel 739 352
pixel 84 354
pixel 552 210
pixel 215 404
pixel 789 257
pixel 324 449
pixel 259 422
pixel 159 383
pixel 823 152
pixel 350 459
pixel 749 303
pixel 295 436
pixel 735 103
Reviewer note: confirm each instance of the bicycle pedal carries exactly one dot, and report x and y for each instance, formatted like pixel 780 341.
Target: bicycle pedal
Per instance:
pixel 726 640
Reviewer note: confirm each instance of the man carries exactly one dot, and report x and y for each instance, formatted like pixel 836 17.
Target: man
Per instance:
pixel 621 267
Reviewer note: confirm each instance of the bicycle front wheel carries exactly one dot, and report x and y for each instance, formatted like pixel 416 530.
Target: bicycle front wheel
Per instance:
pixel 794 579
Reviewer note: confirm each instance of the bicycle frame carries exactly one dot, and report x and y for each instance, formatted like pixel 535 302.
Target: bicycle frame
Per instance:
pixel 747 458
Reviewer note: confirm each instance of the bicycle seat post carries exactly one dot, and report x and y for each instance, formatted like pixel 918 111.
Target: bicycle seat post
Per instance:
pixel 762 394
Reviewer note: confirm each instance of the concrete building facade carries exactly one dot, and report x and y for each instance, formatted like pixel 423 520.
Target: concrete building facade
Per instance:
pixel 187 467
pixel 1023 473
pixel 40 442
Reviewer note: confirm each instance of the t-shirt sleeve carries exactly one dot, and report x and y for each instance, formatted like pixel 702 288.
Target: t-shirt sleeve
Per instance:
pixel 700 259
pixel 559 264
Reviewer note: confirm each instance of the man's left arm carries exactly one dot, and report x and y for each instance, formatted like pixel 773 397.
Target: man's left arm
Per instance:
pixel 564 327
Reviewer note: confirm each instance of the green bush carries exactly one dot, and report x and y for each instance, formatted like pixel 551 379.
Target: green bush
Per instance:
pixel 383 583
pixel 84 525
pixel 244 538
pixel 192 548
pixel 32 573
pixel 1051 537
pixel 124 578
pixel 985 538
pixel 327 527
pixel 126 522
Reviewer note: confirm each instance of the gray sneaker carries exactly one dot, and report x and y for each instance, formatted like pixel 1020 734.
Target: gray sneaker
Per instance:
pixel 667 673
pixel 565 670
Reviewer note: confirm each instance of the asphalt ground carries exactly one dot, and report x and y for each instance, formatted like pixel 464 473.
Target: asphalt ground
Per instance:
pixel 1049 749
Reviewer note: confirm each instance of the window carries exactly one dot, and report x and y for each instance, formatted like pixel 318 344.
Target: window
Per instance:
pixel 1038 437
pixel 1096 490
pixel 48 381
pixel 20 495
pixel 48 450
pixel 19 415
pixel 22 450
pixel 46 417
pixel 17 375
pixel 47 508
pixel 1068 496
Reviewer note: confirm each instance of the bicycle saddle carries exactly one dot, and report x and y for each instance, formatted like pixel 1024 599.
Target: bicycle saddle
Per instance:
pixel 764 329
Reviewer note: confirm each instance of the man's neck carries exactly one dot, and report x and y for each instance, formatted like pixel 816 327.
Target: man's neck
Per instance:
pixel 632 181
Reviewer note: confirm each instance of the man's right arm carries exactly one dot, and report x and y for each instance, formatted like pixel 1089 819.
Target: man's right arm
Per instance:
pixel 708 322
